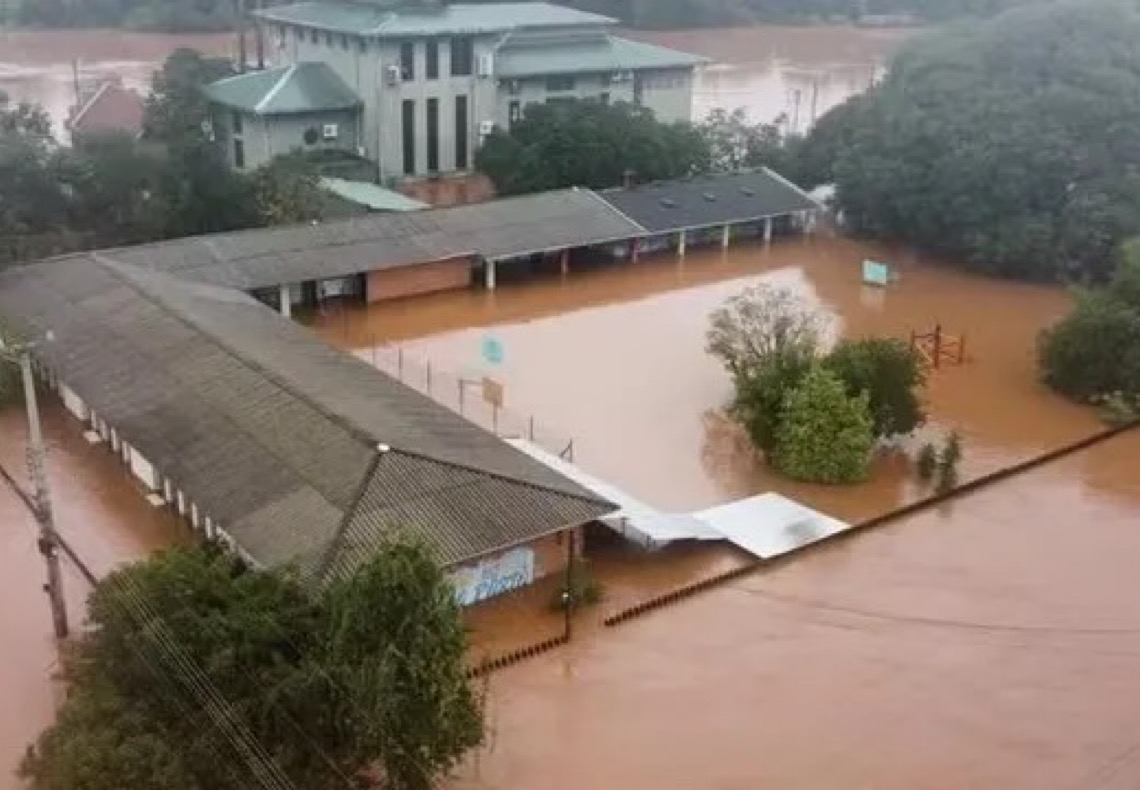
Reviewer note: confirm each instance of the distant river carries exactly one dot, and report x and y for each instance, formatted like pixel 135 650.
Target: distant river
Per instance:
pixel 797 73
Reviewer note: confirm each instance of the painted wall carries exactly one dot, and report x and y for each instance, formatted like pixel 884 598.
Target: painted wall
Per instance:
pixel 668 92
pixel 267 137
pixel 534 90
pixel 412 280
pixel 503 572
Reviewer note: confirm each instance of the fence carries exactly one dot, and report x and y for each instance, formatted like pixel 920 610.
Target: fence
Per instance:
pixel 470 395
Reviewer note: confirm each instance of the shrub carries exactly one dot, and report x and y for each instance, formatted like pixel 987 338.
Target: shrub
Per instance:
pixel 1095 350
pixel 889 372
pixel 761 392
pixel 927 463
pixel 825 435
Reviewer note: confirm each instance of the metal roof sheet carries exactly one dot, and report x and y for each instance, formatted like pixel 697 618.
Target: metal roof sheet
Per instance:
pixel 371 195
pixel 521 56
pixel 300 88
pixel 448 19
pixel 709 200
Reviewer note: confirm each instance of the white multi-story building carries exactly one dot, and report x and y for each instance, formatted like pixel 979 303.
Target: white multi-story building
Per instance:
pixel 416 87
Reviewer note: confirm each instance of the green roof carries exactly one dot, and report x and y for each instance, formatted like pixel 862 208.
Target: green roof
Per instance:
pixel 371 195
pixel 450 19
pixel 605 53
pixel 301 88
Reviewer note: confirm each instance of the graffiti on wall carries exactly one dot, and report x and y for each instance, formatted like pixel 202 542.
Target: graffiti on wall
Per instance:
pixel 494 576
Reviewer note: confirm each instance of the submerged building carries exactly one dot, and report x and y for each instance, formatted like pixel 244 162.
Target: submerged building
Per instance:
pixel 264 438
pixel 416 87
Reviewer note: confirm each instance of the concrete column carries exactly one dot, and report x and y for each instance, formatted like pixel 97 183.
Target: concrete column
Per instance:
pixel 767 230
pixel 564 261
pixel 489 275
pixel 286 302
pixel 634 250
pixel 682 238
pixel 725 236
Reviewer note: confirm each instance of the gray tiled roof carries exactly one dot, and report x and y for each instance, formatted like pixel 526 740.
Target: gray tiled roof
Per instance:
pixel 270 431
pixel 374 19
pixel 300 88
pixel 709 200
pixel 495 229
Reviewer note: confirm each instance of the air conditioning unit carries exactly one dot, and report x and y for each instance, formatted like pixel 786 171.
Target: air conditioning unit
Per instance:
pixel 622 76
pixel 330 131
pixel 393 74
pixel 208 130
pixel 486 65
pixel 486 127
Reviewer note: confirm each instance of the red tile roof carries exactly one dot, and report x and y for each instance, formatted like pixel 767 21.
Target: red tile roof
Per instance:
pixel 111 108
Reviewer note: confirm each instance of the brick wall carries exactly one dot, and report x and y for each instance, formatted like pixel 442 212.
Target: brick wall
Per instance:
pixel 411 280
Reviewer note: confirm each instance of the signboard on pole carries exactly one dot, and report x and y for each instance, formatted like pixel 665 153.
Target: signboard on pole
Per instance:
pixel 492 350
pixel 493 392
pixel 875 273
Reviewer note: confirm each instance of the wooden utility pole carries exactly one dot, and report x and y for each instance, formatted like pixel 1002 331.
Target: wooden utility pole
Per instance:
pixel 48 541
pixel 259 40
pixel 240 24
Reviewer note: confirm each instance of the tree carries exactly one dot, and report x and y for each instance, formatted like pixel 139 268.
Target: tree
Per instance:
pixel 327 687
pixel 889 372
pixel 396 642
pixel 761 391
pixel 590 144
pixel 825 436
pixel 287 190
pixel 734 144
pixel 1009 144
pixel 23 118
pixel 176 108
pixel 759 323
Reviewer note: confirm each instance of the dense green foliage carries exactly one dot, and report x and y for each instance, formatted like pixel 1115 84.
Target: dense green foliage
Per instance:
pixel 159 15
pixel 888 371
pixel 825 435
pixel 189 656
pixel 111 190
pixel 1094 353
pixel 760 394
pixel 1010 145
pixel 589 144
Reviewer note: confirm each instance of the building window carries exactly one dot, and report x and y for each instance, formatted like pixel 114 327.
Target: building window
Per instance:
pixel 605 97
pixel 409 137
pixel 300 33
pixel 433 135
pixel 560 82
pixel 462 57
pixel 344 41
pixel 514 87
pixel 408 61
pixel 431 55
pixel 236 123
pixel 328 40
pixel 461 132
pixel 239 153
pixel 514 113
pixel 363 45
pixel 314 35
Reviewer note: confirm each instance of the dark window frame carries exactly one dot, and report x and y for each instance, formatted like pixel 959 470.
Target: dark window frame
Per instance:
pixel 237 126
pixel 462 133
pixel 239 153
pixel 408 135
pixel 514 113
pixel 431 118
pixel 407 60
pixel 431 59
pixel 560 83
pixel 462 56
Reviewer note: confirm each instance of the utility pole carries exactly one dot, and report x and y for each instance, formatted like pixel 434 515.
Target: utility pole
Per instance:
pixel 240 22
pixel 259 31
pixel 48 541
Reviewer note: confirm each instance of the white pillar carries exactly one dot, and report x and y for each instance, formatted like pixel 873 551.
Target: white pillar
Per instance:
pixel 682 238
pixel 489 275
pixel 565 261
pixel 725 236
pixel 767 230
pixel 286 301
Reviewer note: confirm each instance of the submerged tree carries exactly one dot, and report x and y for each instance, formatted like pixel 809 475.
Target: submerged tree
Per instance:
pixel 824 436
pixel 589 144
pixel 759 323
pixel 1009 145
pixel 890 373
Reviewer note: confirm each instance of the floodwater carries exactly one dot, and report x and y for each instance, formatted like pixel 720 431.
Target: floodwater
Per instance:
pixel 990 644
pixel 101 514
pixel 613 357
pixel 797 72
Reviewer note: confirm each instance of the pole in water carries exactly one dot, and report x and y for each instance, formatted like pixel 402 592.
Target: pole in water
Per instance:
pixel 568 588
pixel 48 540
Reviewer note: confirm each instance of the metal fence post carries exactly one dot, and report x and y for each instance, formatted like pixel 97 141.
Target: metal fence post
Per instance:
pixel 429 377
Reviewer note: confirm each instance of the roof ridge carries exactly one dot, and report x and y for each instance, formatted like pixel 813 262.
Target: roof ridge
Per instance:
pixel 271 94
pixel 616 210
pixel 80 112
pixel 355 431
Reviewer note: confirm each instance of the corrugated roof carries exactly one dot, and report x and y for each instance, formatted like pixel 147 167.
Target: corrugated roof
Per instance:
pixel 300 88
pixel 523 56
pixel 709 200
pixel 448 19
pixel 269 430
pixel 495 229
pixel 373 196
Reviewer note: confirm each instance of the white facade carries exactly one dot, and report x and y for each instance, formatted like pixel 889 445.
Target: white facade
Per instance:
pixel 397 79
